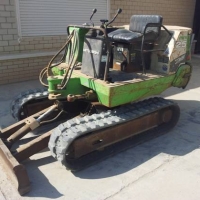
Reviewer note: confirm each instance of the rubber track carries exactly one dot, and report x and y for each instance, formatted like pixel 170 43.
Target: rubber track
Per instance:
pixel 67 132
pixel 23 98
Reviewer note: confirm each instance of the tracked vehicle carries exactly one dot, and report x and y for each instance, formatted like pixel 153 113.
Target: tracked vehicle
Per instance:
pixel 98 96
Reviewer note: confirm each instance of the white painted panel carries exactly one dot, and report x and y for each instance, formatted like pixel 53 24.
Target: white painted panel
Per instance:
pixel 51 17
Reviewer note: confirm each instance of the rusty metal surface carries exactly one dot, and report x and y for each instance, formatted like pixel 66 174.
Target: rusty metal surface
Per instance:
pixel 32 108
pixel 19 134
pixel 101 139
pixel 9 136
pixel 8 131
pixel 32 147
pixel 15 171
pixel 166 124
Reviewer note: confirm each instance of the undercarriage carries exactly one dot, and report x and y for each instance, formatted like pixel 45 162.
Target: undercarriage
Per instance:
pixel 84 139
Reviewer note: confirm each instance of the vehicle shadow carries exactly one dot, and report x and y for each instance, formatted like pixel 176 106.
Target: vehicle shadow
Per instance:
pixel 40 185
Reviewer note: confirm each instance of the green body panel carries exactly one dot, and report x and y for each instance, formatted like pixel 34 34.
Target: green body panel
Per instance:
pixel 182 76
pixel 115 94
pixel 100 87
pixel 188 47
pixel 73 87
pixel 140 90
pixel 81 35
pixel 56 71
pixel 112 95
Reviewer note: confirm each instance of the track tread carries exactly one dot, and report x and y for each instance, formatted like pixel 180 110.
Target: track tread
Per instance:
pixel 67 132
pixel 23 98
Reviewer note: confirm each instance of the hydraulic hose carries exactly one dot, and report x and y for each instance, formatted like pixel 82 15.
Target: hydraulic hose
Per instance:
pixel 47 70
pixel 73 61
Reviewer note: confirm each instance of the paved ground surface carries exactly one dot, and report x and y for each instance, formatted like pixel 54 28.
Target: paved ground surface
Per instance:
pixel 164 168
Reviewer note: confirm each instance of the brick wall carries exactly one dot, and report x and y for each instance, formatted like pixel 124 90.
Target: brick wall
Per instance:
pixel 9 34
pixel 16 70
pixel 174 12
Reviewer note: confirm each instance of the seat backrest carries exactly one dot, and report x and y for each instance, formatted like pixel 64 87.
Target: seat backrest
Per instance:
pixel 139 22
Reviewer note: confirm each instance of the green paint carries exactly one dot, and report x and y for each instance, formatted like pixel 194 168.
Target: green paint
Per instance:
pixel 140 90
pixel 114 94
pixel 180 79
pixel 102 90
pixel 56 71
pixel 73 87
pixel 81 35
pixel 182 37
pixel 188 49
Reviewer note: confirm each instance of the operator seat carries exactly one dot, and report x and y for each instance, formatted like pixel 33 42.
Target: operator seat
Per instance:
pixel 143 29
pixel 141 26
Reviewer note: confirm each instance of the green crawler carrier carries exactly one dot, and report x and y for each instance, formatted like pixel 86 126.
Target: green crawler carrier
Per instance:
pixel 100 94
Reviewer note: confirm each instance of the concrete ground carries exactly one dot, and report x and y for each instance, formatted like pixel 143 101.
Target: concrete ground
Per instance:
pixel 164 168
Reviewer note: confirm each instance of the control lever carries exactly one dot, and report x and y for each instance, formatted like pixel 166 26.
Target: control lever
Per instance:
pixel 94 11
pixel 118 12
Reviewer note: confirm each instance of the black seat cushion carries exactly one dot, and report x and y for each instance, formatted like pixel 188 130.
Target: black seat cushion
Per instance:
pixel 136 29
pixel 123 35
pixel 126 36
